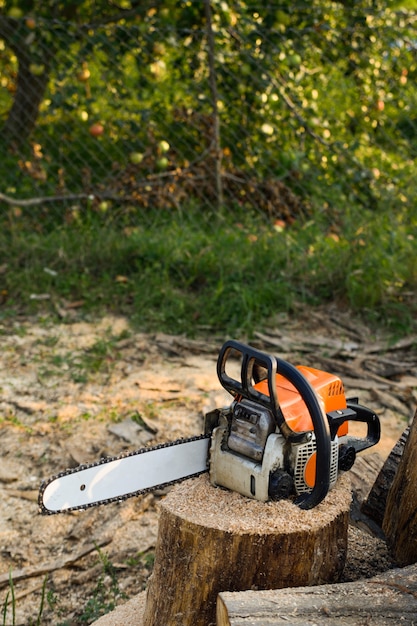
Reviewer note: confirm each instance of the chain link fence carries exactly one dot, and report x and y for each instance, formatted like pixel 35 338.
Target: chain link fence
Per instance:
pixel 214 105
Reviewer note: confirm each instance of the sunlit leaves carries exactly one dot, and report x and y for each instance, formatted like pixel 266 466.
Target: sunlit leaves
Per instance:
pixel 317 93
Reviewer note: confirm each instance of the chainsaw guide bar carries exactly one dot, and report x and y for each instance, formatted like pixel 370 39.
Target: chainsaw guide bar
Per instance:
pixel 127 475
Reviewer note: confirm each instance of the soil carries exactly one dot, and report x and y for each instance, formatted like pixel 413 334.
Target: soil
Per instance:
pixel 77 391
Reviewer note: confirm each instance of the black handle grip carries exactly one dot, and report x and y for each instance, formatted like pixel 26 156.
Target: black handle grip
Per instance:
pixel 357 413
pixel 244 387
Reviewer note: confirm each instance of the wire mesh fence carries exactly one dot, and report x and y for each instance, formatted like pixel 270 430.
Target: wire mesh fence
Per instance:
pixel 215 105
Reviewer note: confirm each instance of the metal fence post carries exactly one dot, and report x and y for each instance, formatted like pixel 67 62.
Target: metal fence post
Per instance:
pixel 215 148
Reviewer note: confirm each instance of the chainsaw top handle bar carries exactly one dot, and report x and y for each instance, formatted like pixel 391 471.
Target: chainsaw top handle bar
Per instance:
pixel 245 388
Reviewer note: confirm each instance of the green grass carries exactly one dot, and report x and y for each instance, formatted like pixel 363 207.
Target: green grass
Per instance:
pixel 81 365
pixel 9 605
pixel 103 599
pixel 192 273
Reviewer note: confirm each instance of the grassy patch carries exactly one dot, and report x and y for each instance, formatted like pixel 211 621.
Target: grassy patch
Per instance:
pixel 80 365
pixel 188 274
pixel 105 595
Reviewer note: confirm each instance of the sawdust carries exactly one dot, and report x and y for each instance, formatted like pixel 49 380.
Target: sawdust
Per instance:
pixel 63 385
pixel 214 507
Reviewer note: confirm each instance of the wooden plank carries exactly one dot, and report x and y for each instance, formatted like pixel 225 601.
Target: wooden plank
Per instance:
pixel 385 600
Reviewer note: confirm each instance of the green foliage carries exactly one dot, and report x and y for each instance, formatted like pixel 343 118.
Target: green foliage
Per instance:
pixel 145 559
pixel 103 600
pixel 83 365
pixel 105 595
pixel 316 102
pixel 318 94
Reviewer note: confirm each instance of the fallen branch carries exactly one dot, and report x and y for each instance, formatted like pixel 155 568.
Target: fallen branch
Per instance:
pixel 36 201
pixel 23 494
pixel 150 180
pixel 46 568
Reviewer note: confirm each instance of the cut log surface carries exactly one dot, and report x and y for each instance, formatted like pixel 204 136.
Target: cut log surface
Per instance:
pixel 211 540
pixel 400 519
pixel 386 600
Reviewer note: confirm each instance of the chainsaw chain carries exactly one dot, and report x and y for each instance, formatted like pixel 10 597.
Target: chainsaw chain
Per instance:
pixel 103 461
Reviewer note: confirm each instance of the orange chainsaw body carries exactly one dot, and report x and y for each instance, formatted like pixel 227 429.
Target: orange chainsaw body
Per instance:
pixel 328 387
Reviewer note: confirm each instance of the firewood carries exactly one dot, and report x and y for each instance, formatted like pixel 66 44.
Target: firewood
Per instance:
pixel 385 600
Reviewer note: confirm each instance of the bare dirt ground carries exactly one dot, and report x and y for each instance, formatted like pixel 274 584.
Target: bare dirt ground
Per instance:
pixel 78 391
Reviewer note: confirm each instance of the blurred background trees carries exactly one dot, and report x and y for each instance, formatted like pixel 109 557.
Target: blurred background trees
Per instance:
pixel 302 112
pixel 315 99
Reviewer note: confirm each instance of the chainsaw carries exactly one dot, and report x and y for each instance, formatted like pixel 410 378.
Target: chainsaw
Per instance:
pixel 284 435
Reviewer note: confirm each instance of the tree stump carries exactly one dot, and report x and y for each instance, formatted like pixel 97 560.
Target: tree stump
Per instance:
pixel 400 519
pixel 212 540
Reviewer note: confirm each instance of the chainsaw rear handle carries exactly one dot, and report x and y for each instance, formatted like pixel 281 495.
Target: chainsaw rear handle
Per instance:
pixel 245 388
pixel 356 413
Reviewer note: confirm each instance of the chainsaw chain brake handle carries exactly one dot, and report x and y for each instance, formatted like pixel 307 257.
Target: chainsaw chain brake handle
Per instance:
pixel 245 388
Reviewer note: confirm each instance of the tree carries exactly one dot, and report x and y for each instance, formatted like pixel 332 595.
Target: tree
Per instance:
pixel 36 32
pixel 316 95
